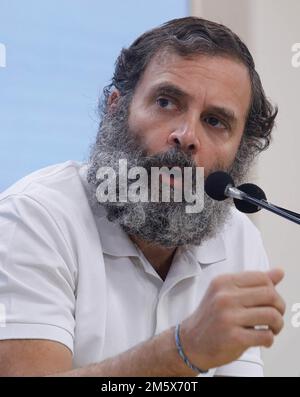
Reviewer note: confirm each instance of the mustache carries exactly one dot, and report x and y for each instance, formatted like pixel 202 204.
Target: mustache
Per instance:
pixel 171 158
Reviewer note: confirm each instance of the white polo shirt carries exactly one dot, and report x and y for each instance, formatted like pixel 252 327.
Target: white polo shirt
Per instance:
pixel 75 278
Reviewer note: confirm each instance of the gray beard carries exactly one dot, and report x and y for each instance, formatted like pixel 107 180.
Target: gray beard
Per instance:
pixel 160 223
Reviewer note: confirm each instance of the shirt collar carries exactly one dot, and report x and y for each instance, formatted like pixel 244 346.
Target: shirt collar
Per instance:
pixel 210 251
pixel 116 242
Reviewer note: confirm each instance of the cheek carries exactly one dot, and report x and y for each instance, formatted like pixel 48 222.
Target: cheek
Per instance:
pixel 213 158
pixel 152 134
pixel 227 154
pixel 155 143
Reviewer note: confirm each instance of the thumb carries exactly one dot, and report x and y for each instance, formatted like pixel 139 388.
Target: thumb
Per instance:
pixel 276 275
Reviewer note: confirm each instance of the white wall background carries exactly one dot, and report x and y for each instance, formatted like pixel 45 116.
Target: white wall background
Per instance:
pixel 270 28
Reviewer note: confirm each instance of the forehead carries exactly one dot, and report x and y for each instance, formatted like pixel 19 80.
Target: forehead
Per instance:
pixel 214 80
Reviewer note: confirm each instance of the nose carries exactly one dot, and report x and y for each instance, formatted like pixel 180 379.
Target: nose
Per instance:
pixel 185 138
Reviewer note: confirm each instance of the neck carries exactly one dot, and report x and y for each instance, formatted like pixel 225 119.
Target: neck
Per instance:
pixel 159 257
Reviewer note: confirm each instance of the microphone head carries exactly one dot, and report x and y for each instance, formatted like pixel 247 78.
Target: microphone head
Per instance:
pixel 216 184
pixel 253 191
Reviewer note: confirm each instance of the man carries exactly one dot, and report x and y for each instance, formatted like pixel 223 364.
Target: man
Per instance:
pixel 120 288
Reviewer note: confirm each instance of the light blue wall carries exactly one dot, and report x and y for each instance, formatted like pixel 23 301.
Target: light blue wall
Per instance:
pixel 59 55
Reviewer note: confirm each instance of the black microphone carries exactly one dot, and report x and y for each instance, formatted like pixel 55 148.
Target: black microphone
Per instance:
pixel 257 192
pixel 251 190
pixel 219 186
pixel 216 184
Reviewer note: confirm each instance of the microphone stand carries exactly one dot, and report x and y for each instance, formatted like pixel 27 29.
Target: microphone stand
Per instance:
pixel 288 211
pixel 233 192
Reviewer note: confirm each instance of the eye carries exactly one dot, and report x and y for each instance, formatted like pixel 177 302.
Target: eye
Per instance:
pixel 165 103
pixel 215 122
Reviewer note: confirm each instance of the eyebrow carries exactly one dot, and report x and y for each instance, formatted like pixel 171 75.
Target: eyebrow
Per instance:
pixel 173 90
pixel 169 89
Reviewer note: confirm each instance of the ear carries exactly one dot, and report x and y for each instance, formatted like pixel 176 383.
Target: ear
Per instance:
pixel 113 99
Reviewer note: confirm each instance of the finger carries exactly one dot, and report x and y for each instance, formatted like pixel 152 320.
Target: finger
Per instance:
pixel 251 279
pixel 276 275
pixel 261 316
pixel 261 296
pixel 253 337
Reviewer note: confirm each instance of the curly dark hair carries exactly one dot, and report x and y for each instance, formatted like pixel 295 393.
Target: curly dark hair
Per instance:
pixel 188 37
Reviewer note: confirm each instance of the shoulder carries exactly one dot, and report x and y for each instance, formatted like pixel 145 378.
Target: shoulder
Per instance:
pixel 47 178
pixel 57 189
pixel 51 203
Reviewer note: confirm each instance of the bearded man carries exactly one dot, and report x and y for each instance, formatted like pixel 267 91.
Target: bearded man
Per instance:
pixel 94 287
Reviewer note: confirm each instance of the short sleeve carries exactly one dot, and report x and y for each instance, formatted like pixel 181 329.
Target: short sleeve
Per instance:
pixel 37 274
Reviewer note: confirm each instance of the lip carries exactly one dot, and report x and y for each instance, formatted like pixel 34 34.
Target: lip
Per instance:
pixel 170 180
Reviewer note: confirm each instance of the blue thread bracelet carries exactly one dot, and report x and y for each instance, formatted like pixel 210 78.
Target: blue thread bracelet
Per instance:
pixel 183 356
